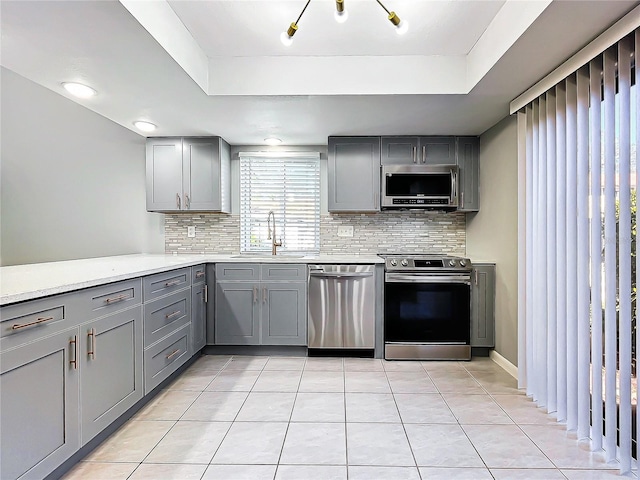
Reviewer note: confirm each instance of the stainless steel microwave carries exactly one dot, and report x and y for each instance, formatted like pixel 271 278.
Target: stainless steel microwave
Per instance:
pixel 432 187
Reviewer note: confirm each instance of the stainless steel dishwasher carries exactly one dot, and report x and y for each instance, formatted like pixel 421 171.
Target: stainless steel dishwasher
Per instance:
pixel 341 306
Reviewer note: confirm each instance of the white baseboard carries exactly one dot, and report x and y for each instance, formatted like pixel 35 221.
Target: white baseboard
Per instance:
pixel 509 367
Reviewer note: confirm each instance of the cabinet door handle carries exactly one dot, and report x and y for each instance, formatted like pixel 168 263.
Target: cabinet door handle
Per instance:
pixel 255 294
pixel 119 298
pixel 187 202
pixel 424 154
pixel 199 274
pixel 173 354
pixel 206 293
pixel 92 338
pixel 74 349
pixel 375 199
pixel 264 294
pixel 414 151
pixel 170 315
pixel 476 276
pixel 178 203
pixel 462 199
pixel 25 325
pixel 172 283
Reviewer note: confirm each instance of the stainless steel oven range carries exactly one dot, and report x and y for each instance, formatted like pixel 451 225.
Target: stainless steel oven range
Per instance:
pixel 427 308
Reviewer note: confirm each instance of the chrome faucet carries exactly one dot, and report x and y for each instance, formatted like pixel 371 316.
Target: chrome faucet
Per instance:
pixel 274 244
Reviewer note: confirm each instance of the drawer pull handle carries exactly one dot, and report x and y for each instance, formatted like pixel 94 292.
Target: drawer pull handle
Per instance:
pixel 119 298
pixel 74 362
pixel 264 294
pixel 169 315
pixel 173 354
pixel 172 283
pixel 25 325
pixel 92 336
pixel 199 274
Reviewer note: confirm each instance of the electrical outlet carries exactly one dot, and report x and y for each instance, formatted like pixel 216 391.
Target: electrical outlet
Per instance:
pixel 191 232
pixel 345 231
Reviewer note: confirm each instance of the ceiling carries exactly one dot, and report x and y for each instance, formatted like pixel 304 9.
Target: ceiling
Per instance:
pixel 218 67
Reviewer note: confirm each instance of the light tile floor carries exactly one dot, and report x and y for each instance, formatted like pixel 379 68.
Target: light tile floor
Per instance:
pixel 331 418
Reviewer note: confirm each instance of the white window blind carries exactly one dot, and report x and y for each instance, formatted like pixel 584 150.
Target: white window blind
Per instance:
pixel 289 185
pixel 578 148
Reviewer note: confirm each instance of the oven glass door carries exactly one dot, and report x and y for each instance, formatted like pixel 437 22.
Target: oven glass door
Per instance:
pixel 427 312
pixel 412 184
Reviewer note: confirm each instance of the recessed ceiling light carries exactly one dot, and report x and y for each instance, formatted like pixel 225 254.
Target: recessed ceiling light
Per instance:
pixel 272 141
pixel 79 90
pixel 144 126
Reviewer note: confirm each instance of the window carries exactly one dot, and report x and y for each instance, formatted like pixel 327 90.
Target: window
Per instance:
pixel 289 185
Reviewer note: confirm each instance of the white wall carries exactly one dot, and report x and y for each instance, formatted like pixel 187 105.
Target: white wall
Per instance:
pixel 492 233
pixel 72 182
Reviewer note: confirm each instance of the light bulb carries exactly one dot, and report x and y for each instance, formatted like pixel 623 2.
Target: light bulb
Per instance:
pixel 402 27
pixel 144 126
pixel 342 16
pixel 286 39
pixel 79 90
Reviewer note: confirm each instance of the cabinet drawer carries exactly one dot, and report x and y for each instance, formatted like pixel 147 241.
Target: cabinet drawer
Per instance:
pixel 163 358
pixel 283 272
pixel 165 315
pixel 237 271
pixel 198 274
pixel 105 299
pixel 161 284
pixel 25 322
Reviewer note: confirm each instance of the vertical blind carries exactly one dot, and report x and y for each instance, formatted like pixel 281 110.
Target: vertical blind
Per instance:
pixel 579 142
pixel 289 185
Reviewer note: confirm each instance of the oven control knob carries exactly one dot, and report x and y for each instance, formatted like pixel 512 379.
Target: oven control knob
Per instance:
pixel 393 262
pixel 404 262
pixel 463 263
pixel 452 263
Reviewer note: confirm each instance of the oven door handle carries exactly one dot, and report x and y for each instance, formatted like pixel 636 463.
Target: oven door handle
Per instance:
pixel 403 278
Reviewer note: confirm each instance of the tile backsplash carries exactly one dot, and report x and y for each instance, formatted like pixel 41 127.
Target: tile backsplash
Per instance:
pixel 410 232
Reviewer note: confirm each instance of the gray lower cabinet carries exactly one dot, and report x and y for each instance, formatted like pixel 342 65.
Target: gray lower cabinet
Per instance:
pixel 249 311
pixel 354 174
pixel 188 174
pixel 199 299
pixel 483 305
pixel 468 153
pixel 110 369
pixel 39 384
pixel 237 313
pixel 284 313
pixel 164 357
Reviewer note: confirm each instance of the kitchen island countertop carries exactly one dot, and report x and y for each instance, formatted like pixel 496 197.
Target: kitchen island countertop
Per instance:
pixel 27 282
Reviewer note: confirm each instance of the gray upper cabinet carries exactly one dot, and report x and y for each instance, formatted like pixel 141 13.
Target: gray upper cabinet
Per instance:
pixel 39 397
pixel 483 305
pixel 399 150
pixel 188 174
pixel 468 149
pixel 111 369
pixel 354 174
pixel 402 150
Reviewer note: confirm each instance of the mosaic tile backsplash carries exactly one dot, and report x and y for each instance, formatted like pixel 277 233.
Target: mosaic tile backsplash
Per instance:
pixel 407 232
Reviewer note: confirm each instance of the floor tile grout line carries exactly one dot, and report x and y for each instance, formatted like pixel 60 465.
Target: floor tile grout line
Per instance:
pixel 293 406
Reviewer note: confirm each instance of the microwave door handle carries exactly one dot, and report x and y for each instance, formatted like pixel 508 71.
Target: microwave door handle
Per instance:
pixel 454 193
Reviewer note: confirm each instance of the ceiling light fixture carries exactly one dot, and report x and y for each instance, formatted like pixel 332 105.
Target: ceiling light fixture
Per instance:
pixel 144 126
pixel 272 141
pixel 401 25
pixel 79 90
pixel 341 15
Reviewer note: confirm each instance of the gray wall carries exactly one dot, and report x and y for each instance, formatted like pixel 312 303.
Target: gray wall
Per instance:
pixel 492 233
pixel 72 182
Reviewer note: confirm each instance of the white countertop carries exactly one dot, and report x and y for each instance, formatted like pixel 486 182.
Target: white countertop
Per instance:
pixel 27 282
